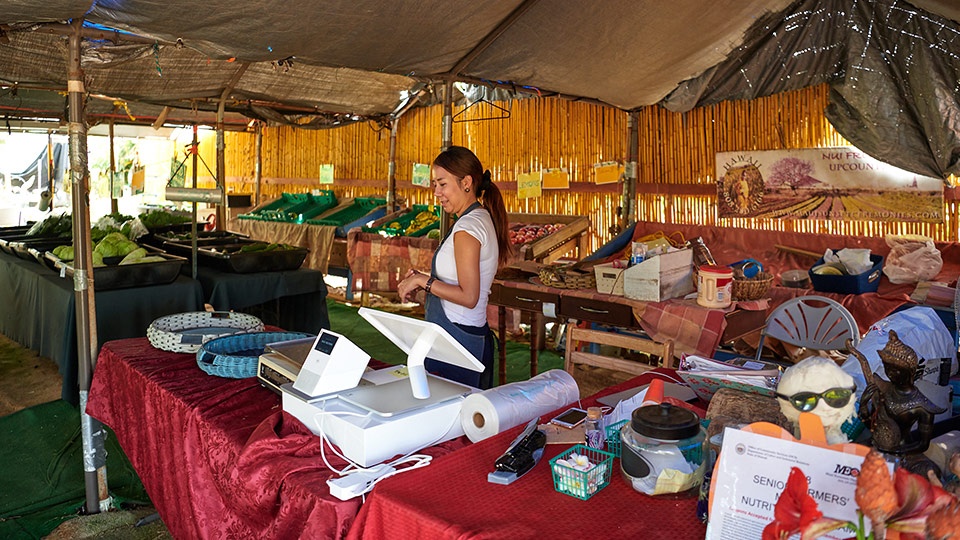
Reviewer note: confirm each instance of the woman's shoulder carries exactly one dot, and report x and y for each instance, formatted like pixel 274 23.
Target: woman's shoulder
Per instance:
pixel 477 218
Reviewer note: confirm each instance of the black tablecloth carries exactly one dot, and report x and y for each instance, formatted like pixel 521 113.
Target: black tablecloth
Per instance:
pixel 294 300
pixel 37 310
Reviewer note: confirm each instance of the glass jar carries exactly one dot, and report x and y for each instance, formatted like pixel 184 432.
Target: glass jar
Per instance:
pixel 662 451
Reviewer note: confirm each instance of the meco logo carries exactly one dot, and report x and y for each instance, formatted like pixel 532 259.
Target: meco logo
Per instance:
pixel 847 471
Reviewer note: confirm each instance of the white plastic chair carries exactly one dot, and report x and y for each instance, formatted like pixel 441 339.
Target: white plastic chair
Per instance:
pixel 813 322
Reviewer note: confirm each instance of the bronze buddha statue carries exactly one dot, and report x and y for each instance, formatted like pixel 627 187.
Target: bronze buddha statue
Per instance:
pixel 890 408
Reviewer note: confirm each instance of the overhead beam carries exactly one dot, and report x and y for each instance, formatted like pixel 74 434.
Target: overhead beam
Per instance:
pixel 90 33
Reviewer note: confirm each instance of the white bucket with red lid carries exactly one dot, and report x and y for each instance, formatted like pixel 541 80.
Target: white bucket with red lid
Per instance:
pixel 715 286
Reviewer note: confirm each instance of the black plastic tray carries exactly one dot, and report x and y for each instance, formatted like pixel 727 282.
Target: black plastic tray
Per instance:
pixel 229 258
pixel 23 248
pixel 108 278
pixel 184 248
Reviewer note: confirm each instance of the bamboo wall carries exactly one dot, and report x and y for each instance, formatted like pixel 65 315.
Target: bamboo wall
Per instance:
pixel 676 157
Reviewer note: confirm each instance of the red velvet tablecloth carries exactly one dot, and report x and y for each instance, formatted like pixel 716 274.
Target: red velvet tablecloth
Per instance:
pixel 452 499
pixel 218 457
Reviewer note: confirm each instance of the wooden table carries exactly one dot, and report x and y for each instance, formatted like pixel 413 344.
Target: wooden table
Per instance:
pixel 607 309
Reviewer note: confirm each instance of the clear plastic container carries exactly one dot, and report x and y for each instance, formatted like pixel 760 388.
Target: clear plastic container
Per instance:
pixel 593 432
pixel 662 451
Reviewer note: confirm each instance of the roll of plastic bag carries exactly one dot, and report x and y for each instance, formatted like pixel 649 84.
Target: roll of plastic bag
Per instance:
pixel 492 411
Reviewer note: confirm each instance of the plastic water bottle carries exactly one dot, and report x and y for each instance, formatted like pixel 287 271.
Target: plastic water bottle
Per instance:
pixel 594 435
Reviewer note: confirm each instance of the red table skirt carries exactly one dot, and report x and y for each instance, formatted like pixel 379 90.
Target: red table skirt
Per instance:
pixel 218 457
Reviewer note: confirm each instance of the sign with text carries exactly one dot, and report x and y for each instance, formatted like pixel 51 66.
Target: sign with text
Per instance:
pixel 326 173
pixel 555 178
pixel 823 183
pixel 607 172
pixel 753 472
pixel 528 185
pixel 421 175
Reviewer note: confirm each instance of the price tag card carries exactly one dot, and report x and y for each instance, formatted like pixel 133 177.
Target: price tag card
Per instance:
pixel 421 175
pixel 528 185
pixel 555 178
pixel 607 172
pixel 752 473
pixel 326 173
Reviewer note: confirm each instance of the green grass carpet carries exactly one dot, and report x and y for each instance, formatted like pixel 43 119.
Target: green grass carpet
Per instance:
pixel 42 458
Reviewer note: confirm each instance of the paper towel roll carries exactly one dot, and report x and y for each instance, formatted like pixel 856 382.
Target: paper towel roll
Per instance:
pixel 487 413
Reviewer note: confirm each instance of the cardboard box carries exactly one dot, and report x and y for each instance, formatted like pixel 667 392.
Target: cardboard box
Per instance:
pixel 610 277
pixel 858 284
pixel 659 278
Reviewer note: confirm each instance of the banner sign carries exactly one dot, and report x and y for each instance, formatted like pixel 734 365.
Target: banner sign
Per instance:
pixel 823 183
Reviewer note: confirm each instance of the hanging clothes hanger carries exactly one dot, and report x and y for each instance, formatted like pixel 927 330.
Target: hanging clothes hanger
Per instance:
pixel 504 113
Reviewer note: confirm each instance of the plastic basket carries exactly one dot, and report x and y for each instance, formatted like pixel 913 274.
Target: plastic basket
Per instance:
pixel 236 356
pixel 361 207
pixel 294 207
pixel 582 484
pixel 613 437
pixel 400 225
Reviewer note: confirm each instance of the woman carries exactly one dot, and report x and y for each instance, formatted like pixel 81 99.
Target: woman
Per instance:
pixel 458 286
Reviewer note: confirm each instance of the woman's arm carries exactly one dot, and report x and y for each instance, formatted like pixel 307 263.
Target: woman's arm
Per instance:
pixel 466 251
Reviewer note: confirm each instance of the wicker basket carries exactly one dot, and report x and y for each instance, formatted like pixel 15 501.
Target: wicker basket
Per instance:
pixel 236 356
pixel 753 288
pixel 563 277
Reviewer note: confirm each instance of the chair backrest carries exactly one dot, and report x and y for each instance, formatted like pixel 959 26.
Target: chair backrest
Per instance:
pixel 573 356
pixel 814 322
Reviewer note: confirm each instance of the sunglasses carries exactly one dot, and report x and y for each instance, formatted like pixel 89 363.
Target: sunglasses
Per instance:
pixel 807 401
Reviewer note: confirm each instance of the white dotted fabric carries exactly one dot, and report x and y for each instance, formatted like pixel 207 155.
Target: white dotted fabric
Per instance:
pixel 183 332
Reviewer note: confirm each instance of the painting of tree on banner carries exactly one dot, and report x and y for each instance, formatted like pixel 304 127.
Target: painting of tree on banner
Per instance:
pixel 823 183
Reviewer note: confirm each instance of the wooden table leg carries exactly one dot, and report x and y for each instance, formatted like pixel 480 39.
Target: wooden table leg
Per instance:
pixel 536 332
pixel 502 334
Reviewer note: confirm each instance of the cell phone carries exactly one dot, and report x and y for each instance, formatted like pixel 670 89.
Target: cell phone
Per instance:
pixel 569 418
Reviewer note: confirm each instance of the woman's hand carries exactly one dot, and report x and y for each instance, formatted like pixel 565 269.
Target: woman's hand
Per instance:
pixel 412 282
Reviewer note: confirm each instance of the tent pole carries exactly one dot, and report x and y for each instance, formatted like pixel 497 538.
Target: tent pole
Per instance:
pixel 51 173
pixel 94 457
pixel 113 172
pixel 258 162
pixel 629 203
pixel 195 151
pixel 446 142
pixel 221 165
pixel 392 168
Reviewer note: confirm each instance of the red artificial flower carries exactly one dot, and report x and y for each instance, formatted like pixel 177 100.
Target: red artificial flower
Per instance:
pixel 796 511
pixel 917 499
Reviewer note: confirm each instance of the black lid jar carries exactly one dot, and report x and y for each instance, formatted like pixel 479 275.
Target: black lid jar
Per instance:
pixel 662 450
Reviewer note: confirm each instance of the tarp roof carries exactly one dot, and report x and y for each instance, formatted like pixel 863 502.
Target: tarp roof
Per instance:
pixel 349 58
